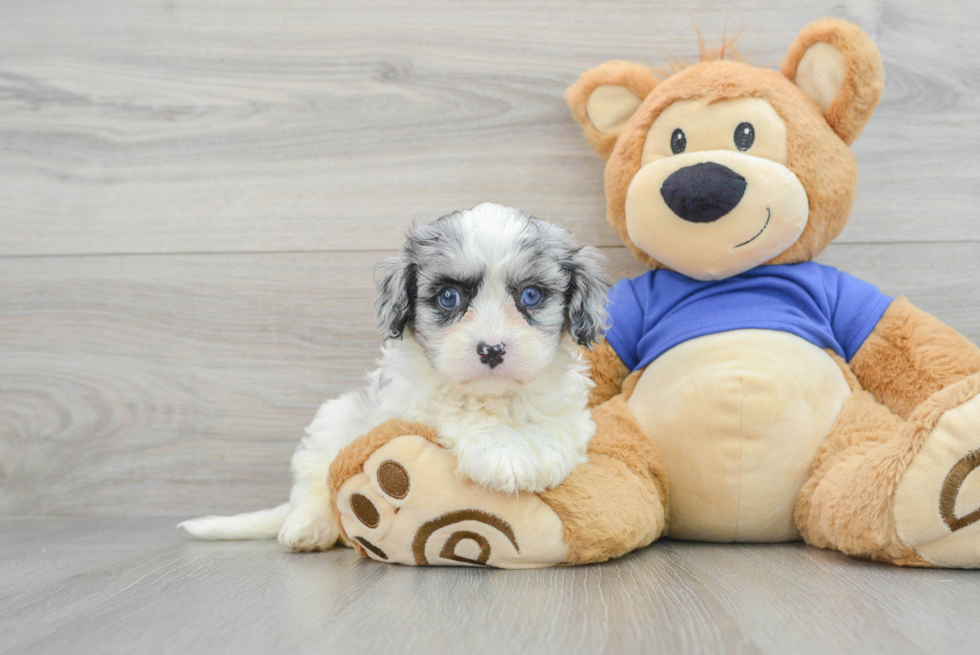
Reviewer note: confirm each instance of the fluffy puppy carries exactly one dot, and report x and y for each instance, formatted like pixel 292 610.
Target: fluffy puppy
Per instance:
pixel 483 315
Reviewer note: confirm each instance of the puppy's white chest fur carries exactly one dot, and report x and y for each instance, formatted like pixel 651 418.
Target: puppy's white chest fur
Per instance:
pixel 527 437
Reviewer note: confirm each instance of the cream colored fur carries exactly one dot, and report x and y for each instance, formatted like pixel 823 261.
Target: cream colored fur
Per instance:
pixel 918 518
pixel 436 491
pixel 738 417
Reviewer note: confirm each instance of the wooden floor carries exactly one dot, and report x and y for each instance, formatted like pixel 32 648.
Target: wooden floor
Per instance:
pixel 193 194
pixel 138 586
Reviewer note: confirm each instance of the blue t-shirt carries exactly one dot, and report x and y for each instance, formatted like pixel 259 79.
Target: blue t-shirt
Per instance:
pixel 652 313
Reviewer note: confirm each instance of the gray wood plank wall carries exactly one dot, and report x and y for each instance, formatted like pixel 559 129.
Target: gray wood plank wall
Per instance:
pixel 193 195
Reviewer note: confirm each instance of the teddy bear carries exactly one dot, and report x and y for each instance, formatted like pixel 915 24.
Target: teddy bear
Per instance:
pixel 787 399
pixel 744 392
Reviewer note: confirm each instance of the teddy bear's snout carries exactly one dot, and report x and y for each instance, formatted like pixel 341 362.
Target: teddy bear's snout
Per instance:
pixel 704 192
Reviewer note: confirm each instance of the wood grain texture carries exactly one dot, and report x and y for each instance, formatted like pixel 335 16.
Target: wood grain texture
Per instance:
pixel 137 586
pixel 192 198
pixel 179 384
pixel 145 126
pixel 193 195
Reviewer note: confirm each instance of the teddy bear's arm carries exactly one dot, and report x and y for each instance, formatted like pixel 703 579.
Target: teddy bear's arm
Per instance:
pixel 608 373
pixel 910 355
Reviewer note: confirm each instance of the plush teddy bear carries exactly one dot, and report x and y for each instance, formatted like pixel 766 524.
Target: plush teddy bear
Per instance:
pixel 786 398
pixel 744 392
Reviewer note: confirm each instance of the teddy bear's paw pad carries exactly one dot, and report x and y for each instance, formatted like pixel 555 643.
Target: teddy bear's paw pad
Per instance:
pixel 409 506
pixel 937 502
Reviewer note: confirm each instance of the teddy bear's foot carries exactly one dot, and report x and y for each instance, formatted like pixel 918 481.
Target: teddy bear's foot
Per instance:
pixel 937 501
pixel 409 506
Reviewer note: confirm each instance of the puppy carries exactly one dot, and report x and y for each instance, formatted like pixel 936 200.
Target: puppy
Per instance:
pixel 483 315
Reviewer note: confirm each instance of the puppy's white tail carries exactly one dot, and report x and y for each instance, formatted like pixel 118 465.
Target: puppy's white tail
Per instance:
pixel 263 524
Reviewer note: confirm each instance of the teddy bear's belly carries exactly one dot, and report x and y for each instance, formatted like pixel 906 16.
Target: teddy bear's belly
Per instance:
pixel 738 417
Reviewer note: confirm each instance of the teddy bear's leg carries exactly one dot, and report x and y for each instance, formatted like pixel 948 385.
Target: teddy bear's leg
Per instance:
pixel 617 501
pixel 399 499
pixel 905 492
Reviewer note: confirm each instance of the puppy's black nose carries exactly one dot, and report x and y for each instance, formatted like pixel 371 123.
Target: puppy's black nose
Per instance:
pixel 704 192
pixel 491 355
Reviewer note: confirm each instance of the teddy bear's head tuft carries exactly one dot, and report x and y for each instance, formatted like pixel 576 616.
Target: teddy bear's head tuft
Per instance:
pixel 723 166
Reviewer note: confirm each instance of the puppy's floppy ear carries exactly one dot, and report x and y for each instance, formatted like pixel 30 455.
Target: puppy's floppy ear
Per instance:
pixel 395 306
pixel 605 98
pixel 838 65
pixel 586 296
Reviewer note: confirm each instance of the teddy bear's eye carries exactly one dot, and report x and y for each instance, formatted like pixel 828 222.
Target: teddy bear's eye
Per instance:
pixel 678 141
pixel 744 136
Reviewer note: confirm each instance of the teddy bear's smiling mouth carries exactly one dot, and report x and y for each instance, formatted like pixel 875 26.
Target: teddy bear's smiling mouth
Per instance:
pixel 745 243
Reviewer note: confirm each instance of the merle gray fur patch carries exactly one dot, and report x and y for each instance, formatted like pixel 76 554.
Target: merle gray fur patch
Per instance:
pixel 571 277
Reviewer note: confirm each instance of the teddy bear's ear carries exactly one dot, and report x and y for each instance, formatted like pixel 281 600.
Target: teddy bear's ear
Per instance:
pixel 837 64
pixel 605 97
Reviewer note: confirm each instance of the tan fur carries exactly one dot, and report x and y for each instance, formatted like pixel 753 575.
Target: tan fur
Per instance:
pixel 639 79
pixel 620 437
pixel 350 460
pixel 823 163
pixel 629 384
pixel 849 377
pixel 910 371
pixel 607 504
pixel 818 155
pixel 848 503
pixel 912 355
pixel 605 510
pixel 727 49
pixel 608 373
pixel 863 83
pixel 598 525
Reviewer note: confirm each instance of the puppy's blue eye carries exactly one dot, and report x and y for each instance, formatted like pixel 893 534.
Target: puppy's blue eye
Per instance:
pixel 449 298
pixel 531 297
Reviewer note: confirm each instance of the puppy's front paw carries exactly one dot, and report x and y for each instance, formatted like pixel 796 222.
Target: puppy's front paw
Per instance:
pixel 512 469
pixel 307 530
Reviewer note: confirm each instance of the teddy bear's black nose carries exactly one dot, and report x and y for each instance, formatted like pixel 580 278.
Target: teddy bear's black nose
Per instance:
pixel 703 193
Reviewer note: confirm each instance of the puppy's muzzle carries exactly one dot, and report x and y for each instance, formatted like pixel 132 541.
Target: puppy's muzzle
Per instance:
pixel 491 355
